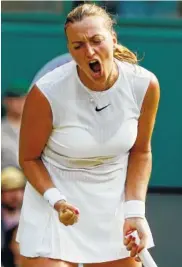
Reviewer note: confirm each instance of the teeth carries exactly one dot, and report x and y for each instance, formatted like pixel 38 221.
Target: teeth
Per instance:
pixel 93 61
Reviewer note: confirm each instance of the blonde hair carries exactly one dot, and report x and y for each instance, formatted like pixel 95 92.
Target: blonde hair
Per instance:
pixel 121 52
pixel 12 178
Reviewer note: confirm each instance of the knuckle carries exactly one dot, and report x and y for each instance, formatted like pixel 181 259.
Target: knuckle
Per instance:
pixel 125 240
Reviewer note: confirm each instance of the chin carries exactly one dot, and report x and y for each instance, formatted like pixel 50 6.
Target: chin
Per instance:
pixel 101 78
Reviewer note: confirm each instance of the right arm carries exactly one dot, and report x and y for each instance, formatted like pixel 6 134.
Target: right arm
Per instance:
pixel 36 127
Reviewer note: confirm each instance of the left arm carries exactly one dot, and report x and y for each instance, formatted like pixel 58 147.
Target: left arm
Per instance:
pixel 140 164
pixel 140 159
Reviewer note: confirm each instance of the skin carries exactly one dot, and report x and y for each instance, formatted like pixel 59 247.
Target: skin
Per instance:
pixel 13 198
pixel 33 139
pixel 14 107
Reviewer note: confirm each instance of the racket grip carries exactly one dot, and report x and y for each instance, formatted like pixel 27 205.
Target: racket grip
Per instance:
pixel 146 258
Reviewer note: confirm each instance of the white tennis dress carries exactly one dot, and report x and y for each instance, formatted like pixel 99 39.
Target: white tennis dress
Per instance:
pixel 87 157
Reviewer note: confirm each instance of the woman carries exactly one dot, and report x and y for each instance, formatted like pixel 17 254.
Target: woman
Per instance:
pixel 85 148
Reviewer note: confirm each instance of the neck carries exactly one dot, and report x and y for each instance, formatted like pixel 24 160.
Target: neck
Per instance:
pixel 113 76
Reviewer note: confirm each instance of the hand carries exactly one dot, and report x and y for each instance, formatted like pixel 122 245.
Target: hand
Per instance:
pixel 68 214
pixel 130 225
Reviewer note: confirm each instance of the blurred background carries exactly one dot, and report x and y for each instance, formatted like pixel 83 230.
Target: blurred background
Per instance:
pixel 33 43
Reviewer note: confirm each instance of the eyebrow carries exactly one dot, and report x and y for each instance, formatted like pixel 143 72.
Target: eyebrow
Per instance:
pixel 76 42
pixel 92 37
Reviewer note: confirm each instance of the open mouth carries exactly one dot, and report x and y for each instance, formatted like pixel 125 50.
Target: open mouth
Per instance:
pixel 95 66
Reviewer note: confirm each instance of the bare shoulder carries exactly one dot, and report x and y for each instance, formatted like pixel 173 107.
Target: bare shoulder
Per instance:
pixel 154 84
pixel 151 99
pixel 35 94
pixel 36 104
pixel 147 117
pixel 36 125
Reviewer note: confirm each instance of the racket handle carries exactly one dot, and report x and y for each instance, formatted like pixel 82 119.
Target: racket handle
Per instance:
pixel 146 258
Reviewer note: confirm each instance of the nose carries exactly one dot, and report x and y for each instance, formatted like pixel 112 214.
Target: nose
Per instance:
pixel 89 50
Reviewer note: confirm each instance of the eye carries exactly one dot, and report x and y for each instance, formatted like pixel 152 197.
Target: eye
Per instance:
pixel 97 41
pixel 77 47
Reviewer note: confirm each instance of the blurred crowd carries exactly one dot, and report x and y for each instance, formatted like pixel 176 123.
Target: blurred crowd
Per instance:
pixel 12 177
pixel 122 8
pixel 135 9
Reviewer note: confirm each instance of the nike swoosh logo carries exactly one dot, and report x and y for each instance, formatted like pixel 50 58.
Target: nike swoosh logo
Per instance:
pixel 99 109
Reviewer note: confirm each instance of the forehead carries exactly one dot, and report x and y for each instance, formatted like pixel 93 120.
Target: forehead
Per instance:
pixel 87 28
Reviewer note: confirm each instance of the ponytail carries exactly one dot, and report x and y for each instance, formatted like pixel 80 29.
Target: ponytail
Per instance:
pixel 124 54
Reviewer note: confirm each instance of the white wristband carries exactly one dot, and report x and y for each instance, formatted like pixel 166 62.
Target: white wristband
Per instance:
pixel 134 208
pixel 52 195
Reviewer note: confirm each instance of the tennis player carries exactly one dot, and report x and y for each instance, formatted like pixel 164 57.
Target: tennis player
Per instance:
pixel 85 148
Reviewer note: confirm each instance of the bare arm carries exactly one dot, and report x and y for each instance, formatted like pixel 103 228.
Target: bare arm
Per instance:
pixel 36 127
pixel 140 159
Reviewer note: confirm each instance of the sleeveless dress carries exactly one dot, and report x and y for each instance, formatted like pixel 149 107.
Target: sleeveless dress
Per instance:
pixel 86 157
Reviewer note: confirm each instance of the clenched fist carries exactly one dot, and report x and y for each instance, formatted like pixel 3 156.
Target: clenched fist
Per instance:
pixel 68 214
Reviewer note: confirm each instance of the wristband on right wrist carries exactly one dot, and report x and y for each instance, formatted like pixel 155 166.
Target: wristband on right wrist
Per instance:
pixel 53 195
pixel 134 208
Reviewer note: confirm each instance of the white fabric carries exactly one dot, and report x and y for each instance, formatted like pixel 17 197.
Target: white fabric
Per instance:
pixel 86 156
pixel 134 208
